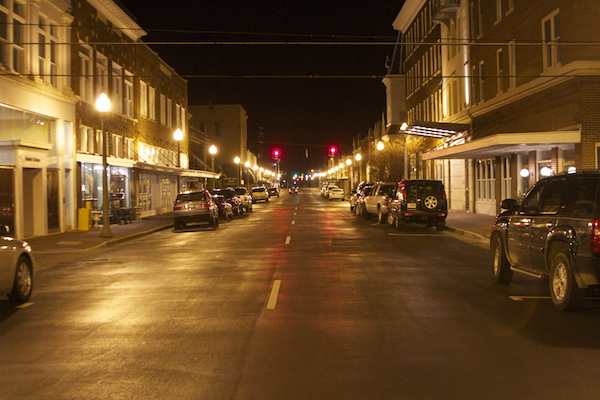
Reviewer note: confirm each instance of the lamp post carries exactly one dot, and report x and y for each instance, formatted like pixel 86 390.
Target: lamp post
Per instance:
pixel 237 161
pixel 358 157
pixel 213 150
pixel 403 128
pixel 103 106
pixel 247 165
pixel 178 136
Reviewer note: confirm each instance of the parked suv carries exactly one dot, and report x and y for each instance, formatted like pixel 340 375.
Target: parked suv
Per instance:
pixel 245 197
pixel 195 206
pixel 554 234
pixel 419 201
pixel 378 201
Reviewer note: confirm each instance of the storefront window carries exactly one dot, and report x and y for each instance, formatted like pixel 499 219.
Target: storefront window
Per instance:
pixel 485 180
pixel 91 184
pixel 144 192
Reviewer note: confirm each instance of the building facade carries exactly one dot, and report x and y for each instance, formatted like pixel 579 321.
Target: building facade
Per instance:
pixel 37 118
pixel 505 89
pixel 148 104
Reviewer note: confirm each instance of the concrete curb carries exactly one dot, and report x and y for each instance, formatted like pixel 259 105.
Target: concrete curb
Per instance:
pixel 467 233
pixel 109 243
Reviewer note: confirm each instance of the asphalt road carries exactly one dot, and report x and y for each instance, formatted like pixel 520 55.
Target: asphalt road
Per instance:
pixel 299 299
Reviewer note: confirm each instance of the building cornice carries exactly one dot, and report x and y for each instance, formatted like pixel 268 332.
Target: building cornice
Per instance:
pixel 407 14
pixel 119 18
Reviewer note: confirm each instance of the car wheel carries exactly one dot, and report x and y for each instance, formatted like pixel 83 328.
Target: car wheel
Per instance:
pixel 565 293
pixel 430 201
pixel 440 225
pixel 500 264
pixel 381 217
pixel 365 213
pixel 23 283
pixel 390 219
pixel 399 222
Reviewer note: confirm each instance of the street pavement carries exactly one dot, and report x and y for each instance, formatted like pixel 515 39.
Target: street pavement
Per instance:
pixel 53 248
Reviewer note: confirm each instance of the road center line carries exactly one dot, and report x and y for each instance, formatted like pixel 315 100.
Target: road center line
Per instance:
pixel 288 240
pixel 274 293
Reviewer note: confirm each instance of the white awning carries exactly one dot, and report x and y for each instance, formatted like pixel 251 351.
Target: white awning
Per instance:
pixel 507 143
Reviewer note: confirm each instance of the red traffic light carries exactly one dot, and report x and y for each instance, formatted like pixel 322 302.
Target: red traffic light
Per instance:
pixel 276 154
pixel 332 151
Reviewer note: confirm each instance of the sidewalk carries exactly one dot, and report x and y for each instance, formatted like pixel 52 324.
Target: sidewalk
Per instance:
pixel 469 224
pixel 54 248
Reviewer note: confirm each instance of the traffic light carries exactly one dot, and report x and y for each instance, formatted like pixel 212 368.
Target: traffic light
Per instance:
pixel 332 151
pixel 276 153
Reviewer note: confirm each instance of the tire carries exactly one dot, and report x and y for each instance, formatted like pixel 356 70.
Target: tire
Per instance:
pixel 430 201
pixel 23 283
pixel 179 225
pixel 565 293
pixel 399 223
pixel 390 219
pixel 381 217
pixel 440 225
pixel 500 265
pixel 364 213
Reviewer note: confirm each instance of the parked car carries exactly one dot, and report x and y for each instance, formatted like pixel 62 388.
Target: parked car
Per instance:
pixel 195 206
pixel 360 199
pixel 329 189
pixel 225 209
pixel 419 201
pixel 232 198
pixel 293 190
pixel 17 267
pixel 336 193
pixel 260 194
pixel 273 191
pixel 553 234
pixel 377 203
pixel 245 197
pixel 326 189
pixel 357 193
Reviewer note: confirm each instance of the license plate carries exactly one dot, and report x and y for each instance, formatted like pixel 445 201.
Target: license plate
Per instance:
pixel 411 205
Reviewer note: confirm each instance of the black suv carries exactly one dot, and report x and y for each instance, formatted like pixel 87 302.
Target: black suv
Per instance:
pixel 555 234
pixel 419 201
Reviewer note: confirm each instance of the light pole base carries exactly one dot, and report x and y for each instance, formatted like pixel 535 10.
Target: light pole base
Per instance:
pixel 106 232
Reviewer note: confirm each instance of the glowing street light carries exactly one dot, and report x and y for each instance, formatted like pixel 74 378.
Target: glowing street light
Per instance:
pixel 103 106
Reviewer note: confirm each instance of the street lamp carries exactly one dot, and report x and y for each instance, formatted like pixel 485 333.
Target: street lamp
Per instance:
pixel 213 150
pixel 103 106
pixel 380 145
pixel 403 128
pixel 358 157
pixel 178 136
pixel 237 161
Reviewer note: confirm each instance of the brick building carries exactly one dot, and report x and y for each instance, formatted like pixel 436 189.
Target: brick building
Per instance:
pixel 148 104
pixel 509 88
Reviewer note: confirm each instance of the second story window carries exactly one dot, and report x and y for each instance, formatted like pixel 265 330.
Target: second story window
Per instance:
pixel 117 89
pixel 47 52
pixel 128 99
pixel 101 74
pixel 86 74
pixel 12 35
pixel 550 37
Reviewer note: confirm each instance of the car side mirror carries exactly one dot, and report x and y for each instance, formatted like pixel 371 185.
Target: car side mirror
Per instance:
pixel 4 230
pixel 509 204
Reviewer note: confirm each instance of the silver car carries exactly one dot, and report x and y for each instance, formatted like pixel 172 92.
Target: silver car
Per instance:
pixel 16 267
pixel 195 206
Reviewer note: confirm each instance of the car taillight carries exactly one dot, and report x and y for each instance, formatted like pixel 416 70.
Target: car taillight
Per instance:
pixel 595 236
pixel 176 208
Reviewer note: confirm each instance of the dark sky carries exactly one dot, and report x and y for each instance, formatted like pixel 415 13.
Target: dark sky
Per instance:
pixel 295 114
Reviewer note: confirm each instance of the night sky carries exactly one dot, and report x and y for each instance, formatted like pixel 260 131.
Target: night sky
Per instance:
pixel 295 114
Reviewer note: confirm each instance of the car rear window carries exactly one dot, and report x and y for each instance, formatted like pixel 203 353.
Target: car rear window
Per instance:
pixel 258 190
pixel 197 196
